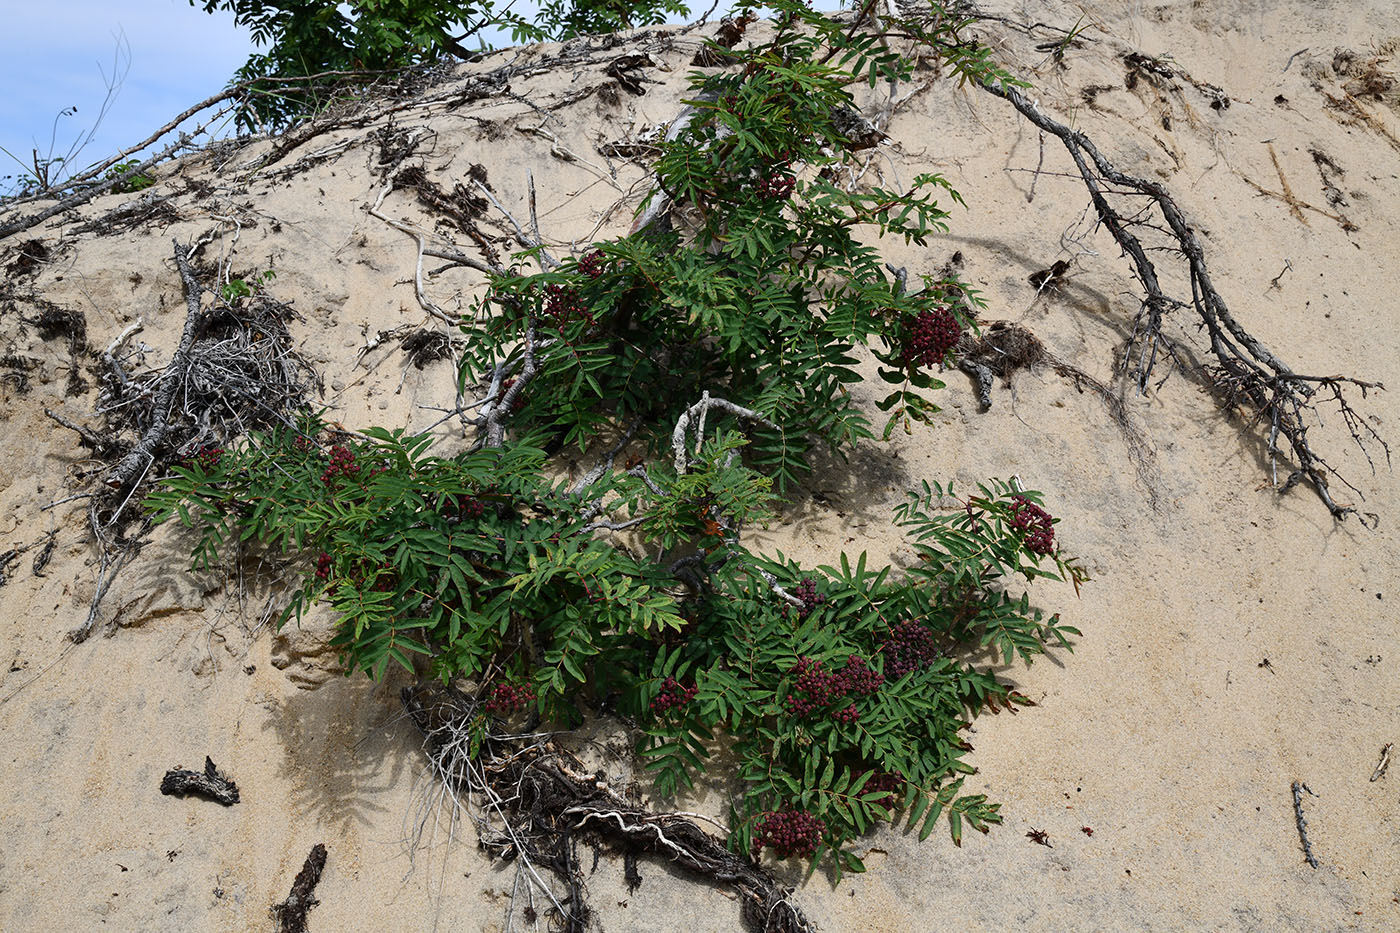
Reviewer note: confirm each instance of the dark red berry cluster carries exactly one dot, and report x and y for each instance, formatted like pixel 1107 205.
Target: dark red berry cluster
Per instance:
pixel 205 457
pixel 323 566
pixel 1033 522
pixel 563 304
pixel 777 185
pixel 471 507
pixel 859 678
pixel 303 444
pixel 673 696
pixel 891 783
pixel 342 464
pixel 789 833
pixel 814 687
pixel 592 264
pixel 929 335
pixel 811 599
pixel 510 698
pixel 910 647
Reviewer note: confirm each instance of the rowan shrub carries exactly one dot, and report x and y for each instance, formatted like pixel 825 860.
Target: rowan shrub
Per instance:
pixel 844 690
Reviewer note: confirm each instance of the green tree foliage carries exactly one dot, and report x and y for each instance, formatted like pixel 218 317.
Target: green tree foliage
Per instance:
pixel 336 38
pixel 723 348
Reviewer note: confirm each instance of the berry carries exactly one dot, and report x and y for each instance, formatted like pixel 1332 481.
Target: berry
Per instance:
pixel 205 457
pixel 562 304
pixel 342 463
pixel 1034 523
pixel 789 833
pixel 812 687
pixel 858 678
pixel 673 696
pixel 891 782
pixel 593 264
pixel 929 335
pixel 510 698
pixel 777 185
pixel 323 566
pixel 811 599
pixel 909 647
pixel 471 507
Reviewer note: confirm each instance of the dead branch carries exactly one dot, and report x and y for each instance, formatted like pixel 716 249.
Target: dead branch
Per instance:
pixel 99 445
pixel 291 913
pixel 700 410
pixel 86 195
pixel 1244 372
pixel 140 457
pixel 209 784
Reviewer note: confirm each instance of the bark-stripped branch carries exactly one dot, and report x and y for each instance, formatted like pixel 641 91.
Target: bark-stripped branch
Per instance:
pixel 699 410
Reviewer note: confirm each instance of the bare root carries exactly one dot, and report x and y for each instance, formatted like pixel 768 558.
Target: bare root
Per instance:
pixel 532 801
pixel 1244 372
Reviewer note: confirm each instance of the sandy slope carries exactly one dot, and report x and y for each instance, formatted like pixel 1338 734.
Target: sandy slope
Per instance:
pixel 1164 731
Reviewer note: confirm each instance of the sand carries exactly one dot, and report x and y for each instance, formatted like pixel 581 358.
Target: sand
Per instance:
pixel 1235 641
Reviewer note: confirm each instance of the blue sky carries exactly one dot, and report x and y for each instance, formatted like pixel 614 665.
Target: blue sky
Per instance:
pixel 52 57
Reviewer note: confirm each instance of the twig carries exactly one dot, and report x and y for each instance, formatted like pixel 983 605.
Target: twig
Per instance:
pixel 91 438
pixel 1040 164
pixel 1384 763
pixel 546 260
pixel 1298 788
pixel 291 913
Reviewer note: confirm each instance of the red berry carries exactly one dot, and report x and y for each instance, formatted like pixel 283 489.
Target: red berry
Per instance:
pixel 909 647
pixel 593 264
pixel 507 699
pixel 673 696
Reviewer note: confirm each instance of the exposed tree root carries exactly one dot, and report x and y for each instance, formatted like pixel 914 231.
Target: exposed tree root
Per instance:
pixel 1245 373
pixel 532 801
